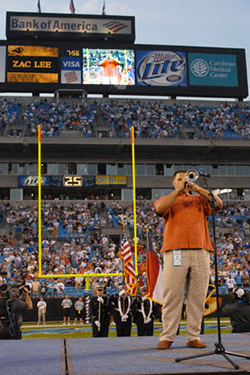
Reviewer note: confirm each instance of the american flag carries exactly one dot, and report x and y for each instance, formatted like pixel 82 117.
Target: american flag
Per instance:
pixel 103 9
pixel 128 266
pixel 154 273
pixel 39 6
pixel 72 7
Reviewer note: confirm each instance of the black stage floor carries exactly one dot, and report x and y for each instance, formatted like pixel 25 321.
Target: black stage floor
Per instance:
pixel 119 355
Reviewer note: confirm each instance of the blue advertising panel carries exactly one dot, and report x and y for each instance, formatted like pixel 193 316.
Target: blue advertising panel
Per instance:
pixel 33 181
pixel 208 69
pixel 71 70
pixel 161 68
pixel 88 181
pixel 70 63
pixel 56 180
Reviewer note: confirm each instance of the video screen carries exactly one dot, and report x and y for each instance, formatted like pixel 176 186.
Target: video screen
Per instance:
pixel 108 67
pixel 32 64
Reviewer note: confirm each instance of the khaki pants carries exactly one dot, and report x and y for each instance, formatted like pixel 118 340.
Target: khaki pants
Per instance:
pixel 41 314
pixel 196 263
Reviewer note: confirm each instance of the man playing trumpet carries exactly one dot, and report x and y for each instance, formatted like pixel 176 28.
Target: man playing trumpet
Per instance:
pixel 186 248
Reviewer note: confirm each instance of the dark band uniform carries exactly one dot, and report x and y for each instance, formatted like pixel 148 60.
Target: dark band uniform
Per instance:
pixel 104 315
pixel 239 314
pixel 10 324
pixel 144 316
pixel 122 313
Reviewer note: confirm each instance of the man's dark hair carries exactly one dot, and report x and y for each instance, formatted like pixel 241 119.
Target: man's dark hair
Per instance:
pixel 180 171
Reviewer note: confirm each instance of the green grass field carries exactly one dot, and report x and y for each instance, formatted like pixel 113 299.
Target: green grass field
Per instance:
pixel 55 330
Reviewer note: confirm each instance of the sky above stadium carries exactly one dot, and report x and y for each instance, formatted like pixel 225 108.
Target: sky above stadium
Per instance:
pixel 215 23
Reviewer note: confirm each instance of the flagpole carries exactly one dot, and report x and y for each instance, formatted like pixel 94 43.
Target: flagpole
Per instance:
pixel 99 315
pixel 134 197
pixel 148 286
pixel 126 64
pixel 88 63
pixel 123 274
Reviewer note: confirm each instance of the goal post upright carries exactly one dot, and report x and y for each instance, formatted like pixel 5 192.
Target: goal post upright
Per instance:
pixel 39 202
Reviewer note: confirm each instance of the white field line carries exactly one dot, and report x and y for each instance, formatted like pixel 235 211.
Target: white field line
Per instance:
pixel 25 326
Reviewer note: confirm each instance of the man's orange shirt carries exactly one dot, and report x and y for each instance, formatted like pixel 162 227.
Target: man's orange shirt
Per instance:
pixel 186 224
pixel 109 65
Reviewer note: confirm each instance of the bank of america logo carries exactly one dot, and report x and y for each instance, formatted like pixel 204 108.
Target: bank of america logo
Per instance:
pixel 115 26
pixel 199 68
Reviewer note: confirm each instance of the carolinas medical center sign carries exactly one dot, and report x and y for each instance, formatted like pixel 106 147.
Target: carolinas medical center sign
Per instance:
pixel 207 69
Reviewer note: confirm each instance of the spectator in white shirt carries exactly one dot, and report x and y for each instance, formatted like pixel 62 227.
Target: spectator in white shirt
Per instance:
pixel 59 288
pixel 230 283
pixel 42 307
pixel 66 305
pixel 78 282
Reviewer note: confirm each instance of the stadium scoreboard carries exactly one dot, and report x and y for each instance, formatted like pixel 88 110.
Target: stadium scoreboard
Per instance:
pixel 130 69
pixel 39 56
pixel 72 181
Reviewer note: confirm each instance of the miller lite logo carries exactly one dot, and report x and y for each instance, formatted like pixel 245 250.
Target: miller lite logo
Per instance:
pixel 32 181
pixel 162 68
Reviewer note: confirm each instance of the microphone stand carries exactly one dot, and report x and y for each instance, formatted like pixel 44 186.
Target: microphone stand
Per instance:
pixel 219 347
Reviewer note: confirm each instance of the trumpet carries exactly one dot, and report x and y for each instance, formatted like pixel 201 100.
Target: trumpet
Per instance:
pixel 192 175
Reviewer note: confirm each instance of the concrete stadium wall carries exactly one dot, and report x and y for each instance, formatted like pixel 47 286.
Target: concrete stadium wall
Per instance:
pixel 55 311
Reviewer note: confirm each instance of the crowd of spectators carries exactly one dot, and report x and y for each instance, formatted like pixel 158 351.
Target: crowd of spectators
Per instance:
pixel 9 111
pixel 113 118
pixel 150 119
pixel 55 117
pixel 233 236
pixel 74 243
pixel 227 121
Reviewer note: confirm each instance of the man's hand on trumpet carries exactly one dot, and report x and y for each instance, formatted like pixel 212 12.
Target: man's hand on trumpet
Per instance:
pixel 183 186
pixel 191 186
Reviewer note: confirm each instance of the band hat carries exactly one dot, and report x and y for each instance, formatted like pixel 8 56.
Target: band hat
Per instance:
pixel 239 292
pixel 99 286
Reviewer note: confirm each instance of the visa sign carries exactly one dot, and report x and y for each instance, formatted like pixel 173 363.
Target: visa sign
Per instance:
pixel 161 68
pixel 70 63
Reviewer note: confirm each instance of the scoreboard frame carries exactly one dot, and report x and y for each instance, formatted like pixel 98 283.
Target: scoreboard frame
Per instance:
pixel 74 49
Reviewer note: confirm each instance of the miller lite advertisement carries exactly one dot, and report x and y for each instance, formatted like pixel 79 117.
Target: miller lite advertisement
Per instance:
pixel 33 181
pixel 161 68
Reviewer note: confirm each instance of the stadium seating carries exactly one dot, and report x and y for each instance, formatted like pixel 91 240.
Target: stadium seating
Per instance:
pixel 92 252
pixel 113 118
